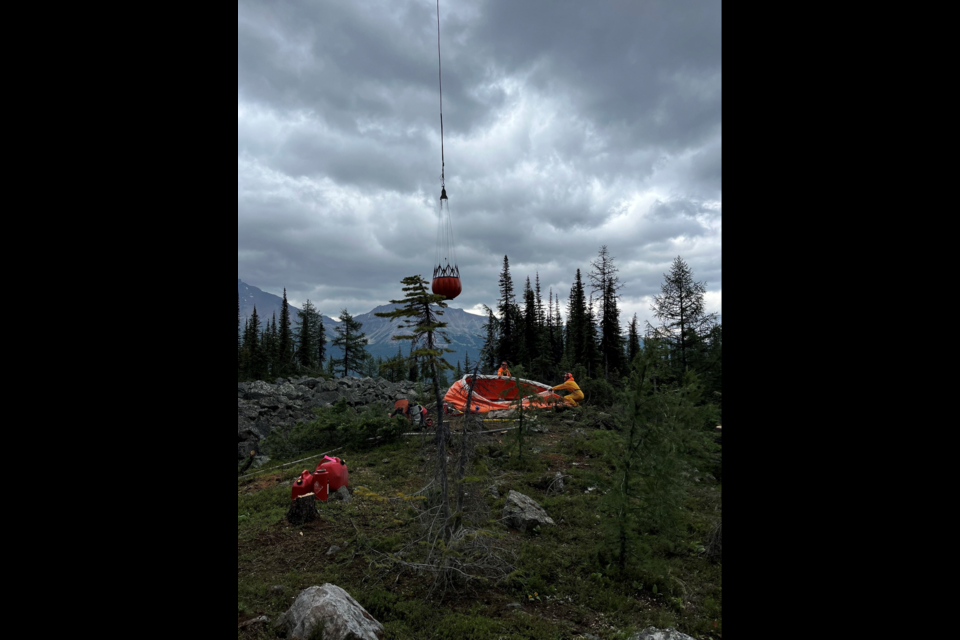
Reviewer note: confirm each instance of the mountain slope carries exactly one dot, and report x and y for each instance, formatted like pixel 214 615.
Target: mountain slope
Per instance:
pixel 466 330
pixel 266 303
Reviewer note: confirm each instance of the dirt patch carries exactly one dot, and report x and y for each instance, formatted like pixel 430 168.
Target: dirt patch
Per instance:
pixel 261 484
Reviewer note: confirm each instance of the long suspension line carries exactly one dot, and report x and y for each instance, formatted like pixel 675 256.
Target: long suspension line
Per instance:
pixel 443 157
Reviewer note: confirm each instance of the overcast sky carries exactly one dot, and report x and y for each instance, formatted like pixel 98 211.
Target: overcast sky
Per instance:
pixel 568 125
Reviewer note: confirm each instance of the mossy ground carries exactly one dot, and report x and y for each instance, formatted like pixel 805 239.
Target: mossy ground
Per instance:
pixel 564 585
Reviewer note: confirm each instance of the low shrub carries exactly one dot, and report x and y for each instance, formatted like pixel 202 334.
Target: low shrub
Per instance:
pixel 337 426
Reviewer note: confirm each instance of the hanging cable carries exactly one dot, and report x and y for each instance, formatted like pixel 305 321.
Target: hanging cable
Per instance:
pixel 446 275
pixel 443 158
pixel 445 232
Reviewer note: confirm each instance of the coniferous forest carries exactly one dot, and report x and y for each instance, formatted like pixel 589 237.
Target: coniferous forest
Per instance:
pixel 533 331
pixel 631 479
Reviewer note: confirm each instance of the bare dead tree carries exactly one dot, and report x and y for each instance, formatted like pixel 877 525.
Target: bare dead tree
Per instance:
pixel 467 444
pixel 451 548
pixel 715 543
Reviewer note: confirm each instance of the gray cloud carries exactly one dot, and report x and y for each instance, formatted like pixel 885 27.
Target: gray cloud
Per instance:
pixel 569 126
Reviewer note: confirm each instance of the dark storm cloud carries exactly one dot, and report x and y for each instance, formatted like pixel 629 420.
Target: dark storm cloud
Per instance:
pixel 570 125
pixel 351 61
pixel 648 72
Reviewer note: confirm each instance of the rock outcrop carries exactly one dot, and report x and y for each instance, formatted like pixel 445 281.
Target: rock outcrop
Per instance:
pixel 263 407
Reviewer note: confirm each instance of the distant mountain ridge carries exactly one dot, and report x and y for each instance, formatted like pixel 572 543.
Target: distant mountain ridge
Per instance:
pixel 266 304
pixel 466 330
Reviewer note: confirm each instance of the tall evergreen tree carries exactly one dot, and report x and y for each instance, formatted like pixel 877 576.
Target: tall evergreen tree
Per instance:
pixel 254 364
pixel 506 307
pixel 579 331
pixel 681 310
pixel 491 346
pixel 311 337
pixel 306 351
pixel 656 421
pixel 285 338
pixel 633 342
pixel 530 348
pixel 606 283
pixel 352 342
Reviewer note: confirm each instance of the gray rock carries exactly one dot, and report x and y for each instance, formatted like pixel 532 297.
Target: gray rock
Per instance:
pixel 329 606
pixel 656 634
pixel 524 514
pixel 256 621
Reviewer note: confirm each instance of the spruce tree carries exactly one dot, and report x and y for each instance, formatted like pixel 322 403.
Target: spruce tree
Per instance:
pixel 285 338
pixel 491 346
pixel 509 335
pixel 655 427
pixel 352 342
pixel 606 283
pixel 579 331
pixel 633 341
pixel 306 352
pixel 681 310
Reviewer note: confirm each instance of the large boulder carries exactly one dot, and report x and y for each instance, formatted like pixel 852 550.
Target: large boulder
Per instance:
pixel 524 514
pixel 331 608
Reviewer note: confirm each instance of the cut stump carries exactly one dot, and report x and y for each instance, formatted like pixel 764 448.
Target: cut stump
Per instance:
pixel 303 510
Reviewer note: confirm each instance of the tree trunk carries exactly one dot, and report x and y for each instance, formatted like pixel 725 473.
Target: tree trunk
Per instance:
pixel 442 460
pixel 303 510
pixel 465 454
pixel 253 456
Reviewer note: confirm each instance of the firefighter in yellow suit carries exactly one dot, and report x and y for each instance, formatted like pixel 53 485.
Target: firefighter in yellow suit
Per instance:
pixel 576 395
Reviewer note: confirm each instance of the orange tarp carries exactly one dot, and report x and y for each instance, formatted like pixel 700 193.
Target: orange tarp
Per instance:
pixel 493 393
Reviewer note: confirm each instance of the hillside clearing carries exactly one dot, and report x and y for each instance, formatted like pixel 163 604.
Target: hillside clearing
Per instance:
pixel 563 585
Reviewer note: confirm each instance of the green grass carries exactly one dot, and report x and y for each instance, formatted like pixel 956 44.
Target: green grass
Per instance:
pixel 565 580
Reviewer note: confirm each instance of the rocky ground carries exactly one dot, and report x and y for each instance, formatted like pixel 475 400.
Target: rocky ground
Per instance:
pixel 263 407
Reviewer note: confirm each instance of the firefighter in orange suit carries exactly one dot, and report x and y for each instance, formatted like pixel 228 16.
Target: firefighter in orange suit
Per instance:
pixel 504 371
pixel 576 395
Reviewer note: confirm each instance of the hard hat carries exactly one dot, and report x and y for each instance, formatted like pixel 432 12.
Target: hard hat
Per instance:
pixel 568 376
